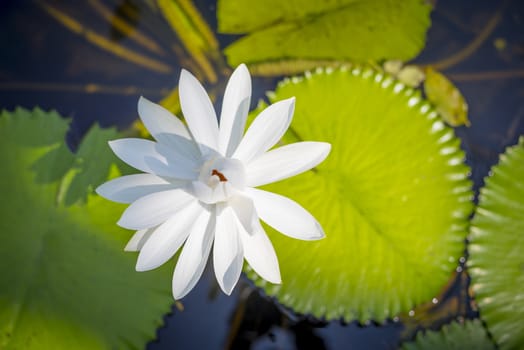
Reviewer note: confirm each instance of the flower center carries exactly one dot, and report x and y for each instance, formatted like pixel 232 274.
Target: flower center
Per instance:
pixel 220 176
pixel 219 179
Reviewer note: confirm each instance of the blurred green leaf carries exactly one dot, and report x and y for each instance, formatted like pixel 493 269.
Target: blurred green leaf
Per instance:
pixel 393 198
pixel 496 262
pixel 455 336
pixel 339 29
pixel 66 281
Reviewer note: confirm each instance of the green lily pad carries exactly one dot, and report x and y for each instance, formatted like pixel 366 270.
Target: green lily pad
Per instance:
pixel 66 281
pixel 341 29
pixel 393 198
pixel 496 262
pixel 455 336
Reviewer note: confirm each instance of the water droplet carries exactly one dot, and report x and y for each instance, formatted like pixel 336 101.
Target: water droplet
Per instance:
pixel 424 108
pixel 455 161
pixel 432 115
pixel 398 88
pixel 437 126
pixel 447 150
pixel 413 101
pixel 367 73
pixel 446 137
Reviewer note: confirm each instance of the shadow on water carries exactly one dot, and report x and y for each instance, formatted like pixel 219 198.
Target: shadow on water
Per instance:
pixel 44 64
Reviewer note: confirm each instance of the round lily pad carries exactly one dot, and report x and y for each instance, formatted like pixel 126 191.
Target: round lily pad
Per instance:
pixel 496 262
pixel 393 198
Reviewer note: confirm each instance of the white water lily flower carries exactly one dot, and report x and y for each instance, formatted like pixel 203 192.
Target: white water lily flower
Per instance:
pixel 199 181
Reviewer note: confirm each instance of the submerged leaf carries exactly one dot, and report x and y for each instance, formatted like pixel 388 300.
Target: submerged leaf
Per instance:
pixel 66 281
pixel 455 336
pixel 393 198
pixel 341 29
pixel 496 262
pixel 447 99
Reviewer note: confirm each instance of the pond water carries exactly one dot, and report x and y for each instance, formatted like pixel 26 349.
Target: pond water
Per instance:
pixel 43 64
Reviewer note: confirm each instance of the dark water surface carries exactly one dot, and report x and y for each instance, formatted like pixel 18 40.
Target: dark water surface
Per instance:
pixel 43 64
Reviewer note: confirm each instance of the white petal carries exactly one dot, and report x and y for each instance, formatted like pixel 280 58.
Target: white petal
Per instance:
pixel 154 209
pixel 285 215
pixel 198 111
pixel 227 250
pixel 138 240
pixel 167 128
pixel 140 154
pixel 235 108
pixel 260 255
pixel 185 148
pixel 210 195
pixel 159 121
pixel 154 158
pixel 245 212
pixel 285 161
pixel 266 130
pixel 167 238
pixel 181 163
pixel 193 258
pixel 127 189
